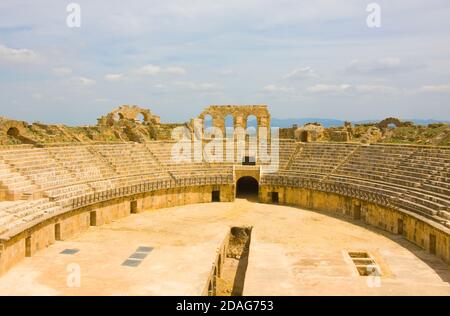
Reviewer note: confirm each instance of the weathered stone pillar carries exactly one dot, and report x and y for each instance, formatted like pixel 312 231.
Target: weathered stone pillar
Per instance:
pixel 239 122
pixel 219 122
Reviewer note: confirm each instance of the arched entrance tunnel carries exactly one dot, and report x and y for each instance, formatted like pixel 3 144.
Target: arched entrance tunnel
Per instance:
pixel 247 188
pixel 13 132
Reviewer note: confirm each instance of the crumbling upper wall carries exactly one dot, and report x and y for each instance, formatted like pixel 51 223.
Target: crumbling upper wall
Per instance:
pixel 7 126
pixel 392 120
pixel 240 114
pixel 14 132
pixel 129 112
pixel 310 132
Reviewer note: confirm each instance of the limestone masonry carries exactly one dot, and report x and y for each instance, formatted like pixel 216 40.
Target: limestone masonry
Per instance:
pixel 57 181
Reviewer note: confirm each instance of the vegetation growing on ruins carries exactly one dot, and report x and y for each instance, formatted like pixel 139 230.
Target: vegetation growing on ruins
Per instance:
pixel 433 134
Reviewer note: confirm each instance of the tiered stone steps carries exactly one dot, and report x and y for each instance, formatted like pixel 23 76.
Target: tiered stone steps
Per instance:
pixel 46 180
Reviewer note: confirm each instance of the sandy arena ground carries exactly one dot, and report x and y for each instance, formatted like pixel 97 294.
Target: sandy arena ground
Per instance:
pixel 293 252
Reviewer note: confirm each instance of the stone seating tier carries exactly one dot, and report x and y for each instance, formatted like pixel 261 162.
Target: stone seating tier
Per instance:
pixel 413 178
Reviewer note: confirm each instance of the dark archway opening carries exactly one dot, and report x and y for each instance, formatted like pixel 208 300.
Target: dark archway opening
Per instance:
pixel 13 132
pixel 133 207
pixel 215 196
pixel 247 188
pixel 304 136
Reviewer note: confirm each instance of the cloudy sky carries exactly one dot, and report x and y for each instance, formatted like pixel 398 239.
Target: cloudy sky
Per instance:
pixel 302 58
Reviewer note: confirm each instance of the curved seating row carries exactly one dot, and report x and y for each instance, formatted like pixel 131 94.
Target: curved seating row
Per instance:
pixel 45 181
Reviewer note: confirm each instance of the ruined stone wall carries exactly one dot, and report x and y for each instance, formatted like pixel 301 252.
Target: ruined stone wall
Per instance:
pixel 124 124
pixel 287 133
pixel 310 132
pixel 394 121
pixel 131 113
pixel 339 136
pixel 240 114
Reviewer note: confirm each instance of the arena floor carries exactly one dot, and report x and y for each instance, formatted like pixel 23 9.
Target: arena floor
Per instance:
pixel 292 252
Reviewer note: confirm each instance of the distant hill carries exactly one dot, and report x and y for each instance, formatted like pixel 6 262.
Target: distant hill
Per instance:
pixel 426 122
pixel 335 122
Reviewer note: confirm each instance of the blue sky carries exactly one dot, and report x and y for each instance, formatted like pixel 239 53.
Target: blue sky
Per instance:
pixel 302 58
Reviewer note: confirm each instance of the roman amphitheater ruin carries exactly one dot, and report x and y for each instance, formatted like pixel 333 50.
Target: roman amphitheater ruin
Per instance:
pixel 105 209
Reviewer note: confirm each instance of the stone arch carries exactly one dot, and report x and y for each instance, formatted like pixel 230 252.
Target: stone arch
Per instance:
pixel 240 114
pixel 13 132
pixel 229 123
pixel 16 130
pixel 141 117
pixel 247 187
pixel 208 121
pixel 131 113
pixel 390 121
pixel 252 124
pixel 391 126
pixel 9 127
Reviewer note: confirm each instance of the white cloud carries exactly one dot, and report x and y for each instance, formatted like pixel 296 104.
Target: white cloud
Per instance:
pixel 206 37
pixel 17 56
pixel 375 89
pixel 149 70
pixel 37 96
pixel 389 62
pixel 226 72
pixel 275 88
pixel 203 86
pixel 443 88
pixel 62 71
pixel 301 73
pixel 386 65
pixel 348 88
pixel 152 70
pixel 175 71
pixel 114 77
pixel 82 81
pixel 324 88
